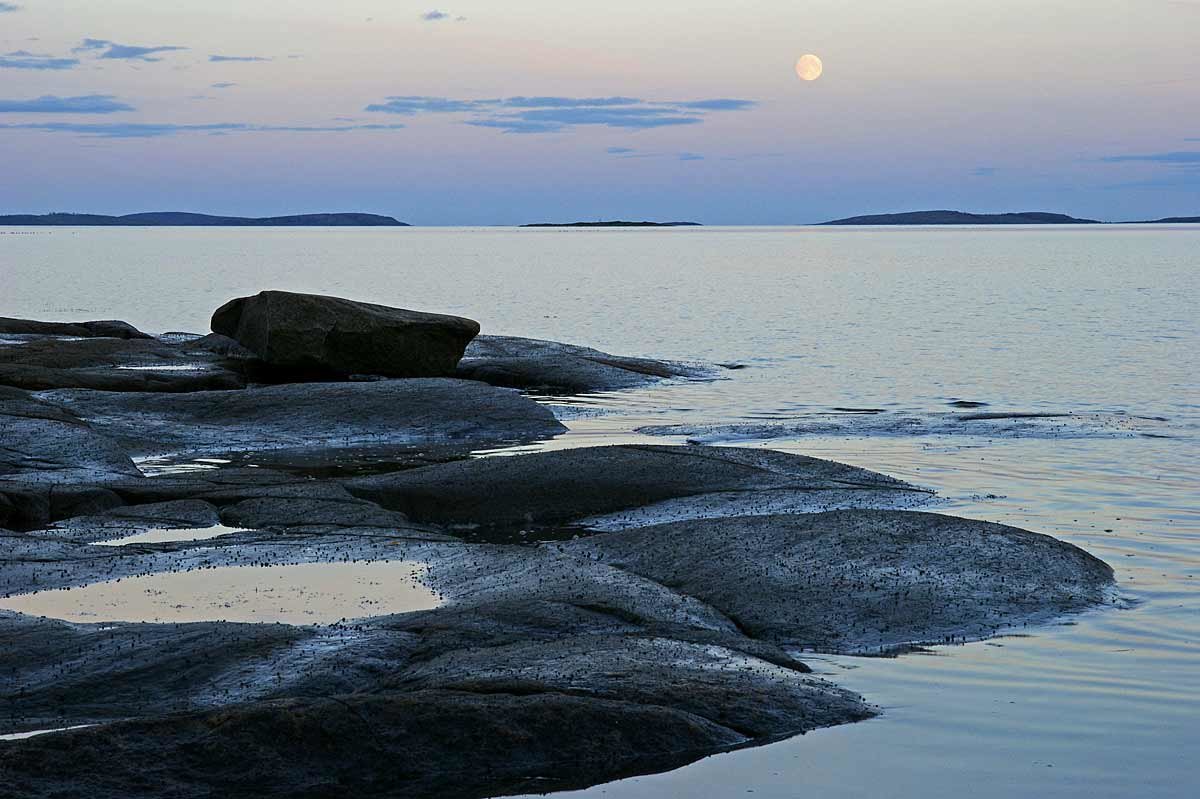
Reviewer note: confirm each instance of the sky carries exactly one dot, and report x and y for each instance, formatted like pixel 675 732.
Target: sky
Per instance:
pixel 472 112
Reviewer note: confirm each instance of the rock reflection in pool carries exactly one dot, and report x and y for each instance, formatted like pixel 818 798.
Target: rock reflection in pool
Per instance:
pixel 308 593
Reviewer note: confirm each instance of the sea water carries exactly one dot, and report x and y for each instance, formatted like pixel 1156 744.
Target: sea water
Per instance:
pixel 860 345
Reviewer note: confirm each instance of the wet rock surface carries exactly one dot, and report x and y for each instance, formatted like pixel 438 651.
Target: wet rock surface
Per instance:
pixel 861 580
pixel 114 364
pixel 599 612
pixel 303 417
pixel 43 443
pixel 107 328
pixel 873 422
pixel 554 367
pixel 308 332
pixel 560 487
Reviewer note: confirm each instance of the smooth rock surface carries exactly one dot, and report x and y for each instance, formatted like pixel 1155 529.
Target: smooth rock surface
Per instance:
pixel 559 487
pixel 314 417
pixel 113 364
pixel 861 580
pixel 313 333
pixel 566 651
pixel 44 443
pixel 529 363
pixel 429 744
pixel 107 328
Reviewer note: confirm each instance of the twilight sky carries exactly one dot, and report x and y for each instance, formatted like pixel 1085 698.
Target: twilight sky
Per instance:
pixel 474 112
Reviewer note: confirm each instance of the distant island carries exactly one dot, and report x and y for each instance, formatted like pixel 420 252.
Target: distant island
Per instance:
pixel 1170 220
pixel 613 223
pixel 181 219
pixel 963 218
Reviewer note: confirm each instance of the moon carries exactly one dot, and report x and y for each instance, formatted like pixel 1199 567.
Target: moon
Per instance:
pixel 809 67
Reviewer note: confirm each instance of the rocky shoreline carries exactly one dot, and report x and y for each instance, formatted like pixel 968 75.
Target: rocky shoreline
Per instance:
pixel 596 612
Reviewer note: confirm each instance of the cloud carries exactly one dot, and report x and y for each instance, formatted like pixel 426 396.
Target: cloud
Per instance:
pixel 147 130
pixel 635 117
pixel 435 16
pixel 565 102
pixel 23 59
pixel 721 104
pixel 5 8
pixel 516 125
pixel 217 59
pixel 431 105
pixel 126 52
pixel 630 152
pixel 49 104
pixel 545 114
pixel 1185 158
pixel 223 85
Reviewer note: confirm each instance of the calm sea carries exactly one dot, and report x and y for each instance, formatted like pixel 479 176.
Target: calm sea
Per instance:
pixel 1099 323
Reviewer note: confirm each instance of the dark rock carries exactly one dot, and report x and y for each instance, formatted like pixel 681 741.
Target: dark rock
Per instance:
pixel 41 442
pixel 861 580
pixel 116 670
pixel 27 506
pixel 107 328
pixel 315 419
pixel 284 512
pixel 220 345
pixel 130 519
pixel 35 378
pixel 429 744
pixel 308 332
pixel 111 364
pixel 559 487
pixel 550 366
pixel 551 667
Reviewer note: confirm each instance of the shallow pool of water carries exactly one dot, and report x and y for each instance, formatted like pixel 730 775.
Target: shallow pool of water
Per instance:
pixel 166 535
pixel 307 593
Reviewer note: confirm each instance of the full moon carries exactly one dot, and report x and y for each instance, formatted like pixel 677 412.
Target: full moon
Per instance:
pixel 809 67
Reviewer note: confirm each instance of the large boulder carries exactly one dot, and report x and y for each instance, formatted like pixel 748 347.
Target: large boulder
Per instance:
pixel 309 332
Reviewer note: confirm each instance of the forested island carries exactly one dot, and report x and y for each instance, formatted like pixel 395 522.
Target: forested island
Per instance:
pixel 181 219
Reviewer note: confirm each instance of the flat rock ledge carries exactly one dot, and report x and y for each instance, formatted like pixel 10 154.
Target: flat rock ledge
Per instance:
pixel 553 367
pixel 599 612
pixel 549 664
